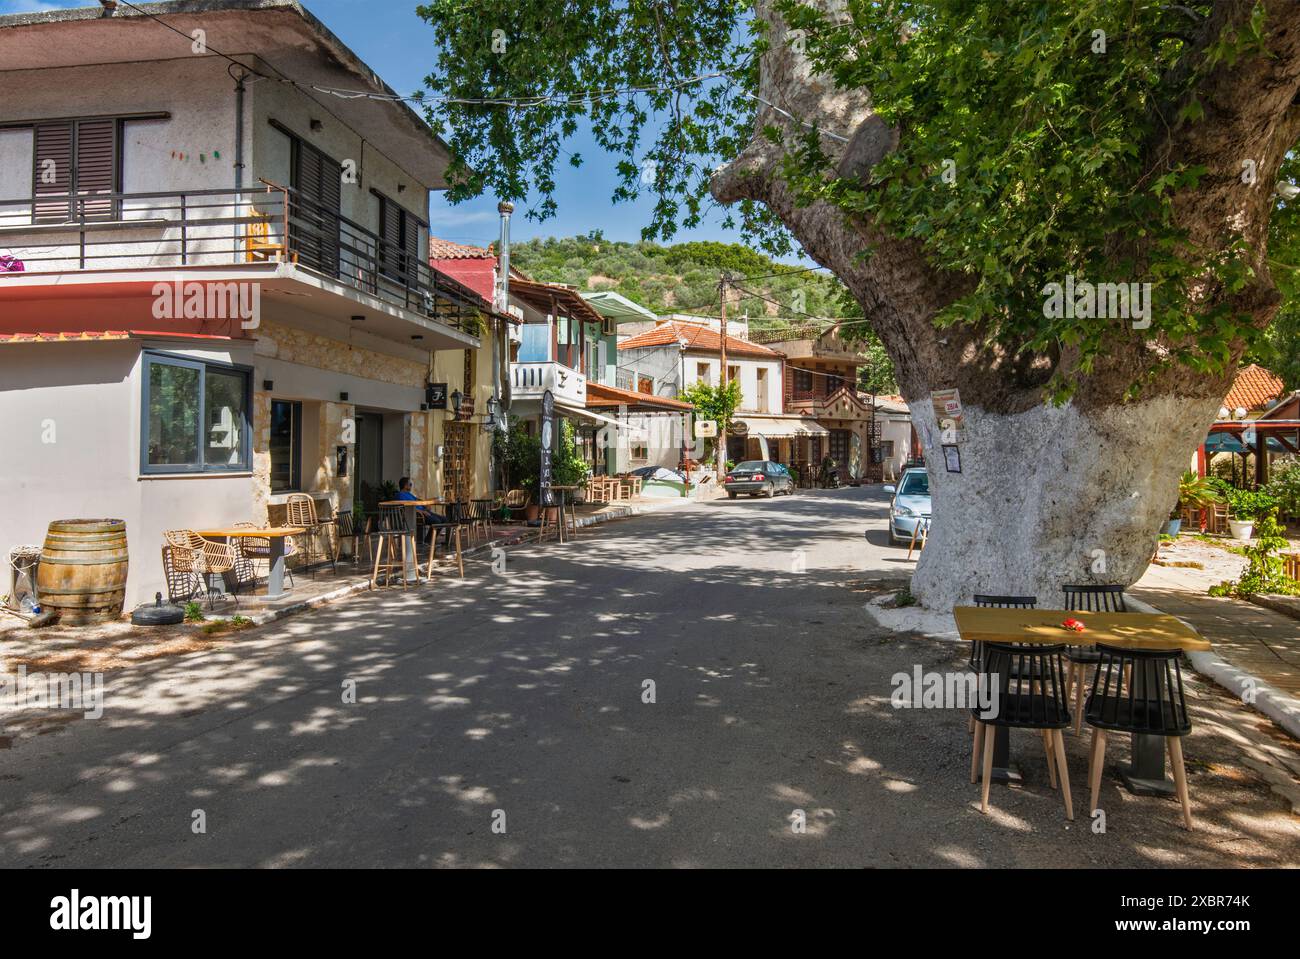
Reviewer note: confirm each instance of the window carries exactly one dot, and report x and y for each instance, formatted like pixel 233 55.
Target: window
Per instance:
pixel 839 447
pixel 194 416
pixel 762 389
pixel 286 446
pixel 803 381
pixel 399 231
pixel 915 483
pixel 79 157
pixel 314 209
pixel 702 373
pixel 639 450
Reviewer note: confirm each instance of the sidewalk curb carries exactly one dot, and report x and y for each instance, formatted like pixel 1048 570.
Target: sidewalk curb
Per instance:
pixel 1272 702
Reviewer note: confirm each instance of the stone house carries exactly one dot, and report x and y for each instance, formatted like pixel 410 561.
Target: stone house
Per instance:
pixel 213 287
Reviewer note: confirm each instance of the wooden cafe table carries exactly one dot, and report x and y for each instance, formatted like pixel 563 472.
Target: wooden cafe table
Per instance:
pixel 563 494
pixel 275 537
pixel 409 556
pixel 1146 773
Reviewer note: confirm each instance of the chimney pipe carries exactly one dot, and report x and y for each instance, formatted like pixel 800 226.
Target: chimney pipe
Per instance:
pixel 505 208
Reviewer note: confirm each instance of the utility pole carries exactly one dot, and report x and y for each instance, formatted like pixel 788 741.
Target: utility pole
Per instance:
pixel 721 448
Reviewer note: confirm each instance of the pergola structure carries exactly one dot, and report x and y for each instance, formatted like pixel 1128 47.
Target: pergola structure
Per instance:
pixel 1243 437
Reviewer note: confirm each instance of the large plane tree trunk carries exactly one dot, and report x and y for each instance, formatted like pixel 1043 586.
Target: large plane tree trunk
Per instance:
pixel 1047 494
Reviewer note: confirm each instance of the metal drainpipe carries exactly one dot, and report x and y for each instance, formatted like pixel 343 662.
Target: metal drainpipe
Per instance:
pixel 239 153
pixel 505 208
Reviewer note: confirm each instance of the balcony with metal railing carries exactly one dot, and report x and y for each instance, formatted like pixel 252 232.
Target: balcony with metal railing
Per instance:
pixel 270 234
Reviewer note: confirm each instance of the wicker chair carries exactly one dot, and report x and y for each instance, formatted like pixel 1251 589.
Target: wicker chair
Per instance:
pixel 257 549
pixel 188 557
pixel 517 500
pixel 301 510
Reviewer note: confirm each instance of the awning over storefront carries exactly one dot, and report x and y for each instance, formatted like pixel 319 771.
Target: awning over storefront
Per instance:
pixel 613 398
pixel 578 412
pixel 783 427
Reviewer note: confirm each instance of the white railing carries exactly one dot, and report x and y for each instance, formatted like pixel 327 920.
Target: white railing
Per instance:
pixel 531 380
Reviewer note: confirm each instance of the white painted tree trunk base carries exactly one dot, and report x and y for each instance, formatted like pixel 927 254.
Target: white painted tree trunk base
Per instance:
pixel 1051 496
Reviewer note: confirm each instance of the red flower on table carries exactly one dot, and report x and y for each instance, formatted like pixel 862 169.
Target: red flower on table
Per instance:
pixel 1073 624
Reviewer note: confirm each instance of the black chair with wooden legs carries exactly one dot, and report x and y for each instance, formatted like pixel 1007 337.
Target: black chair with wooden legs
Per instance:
pixel 1087 598
pixel 1138 691
pixel 1030 686
pixel 452 533
pixel 389 535
pixel 997 602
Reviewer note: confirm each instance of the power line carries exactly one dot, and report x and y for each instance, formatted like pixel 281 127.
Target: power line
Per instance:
pixel 519 103
pixel 769 276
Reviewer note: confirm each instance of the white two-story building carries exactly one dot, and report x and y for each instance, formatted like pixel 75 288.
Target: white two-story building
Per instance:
pixel 214 288
pixel 677 353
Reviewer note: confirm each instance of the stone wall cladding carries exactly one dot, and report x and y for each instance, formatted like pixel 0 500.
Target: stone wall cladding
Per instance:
pixel 311 349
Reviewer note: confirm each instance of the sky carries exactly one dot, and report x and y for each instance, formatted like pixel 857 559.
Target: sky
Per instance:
pixel 398 45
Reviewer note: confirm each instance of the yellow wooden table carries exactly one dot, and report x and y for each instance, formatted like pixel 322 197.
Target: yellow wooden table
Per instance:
pixel 1146 774
pixel 1130 630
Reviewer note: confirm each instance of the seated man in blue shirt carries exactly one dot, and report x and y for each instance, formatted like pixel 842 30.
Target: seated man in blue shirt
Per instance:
pixel 404 491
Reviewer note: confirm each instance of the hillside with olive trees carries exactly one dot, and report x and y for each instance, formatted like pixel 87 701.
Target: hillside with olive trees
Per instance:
pixel 683 278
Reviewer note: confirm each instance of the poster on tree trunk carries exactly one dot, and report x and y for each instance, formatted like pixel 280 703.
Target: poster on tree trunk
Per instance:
pixel 947 412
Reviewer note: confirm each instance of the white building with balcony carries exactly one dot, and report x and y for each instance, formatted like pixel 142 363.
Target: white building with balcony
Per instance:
pixel 213 284
pixel 678 353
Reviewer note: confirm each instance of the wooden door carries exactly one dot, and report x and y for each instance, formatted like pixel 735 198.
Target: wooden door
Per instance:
pixel 457 462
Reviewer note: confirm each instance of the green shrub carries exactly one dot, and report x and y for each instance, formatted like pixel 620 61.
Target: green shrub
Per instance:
pixel 1251 504
pixel 1285 487
pixel 1264 571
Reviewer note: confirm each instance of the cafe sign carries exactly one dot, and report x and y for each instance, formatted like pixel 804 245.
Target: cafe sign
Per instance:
pixel 547 441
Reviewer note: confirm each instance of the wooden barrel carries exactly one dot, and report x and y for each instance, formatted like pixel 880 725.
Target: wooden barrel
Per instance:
pixel 82 575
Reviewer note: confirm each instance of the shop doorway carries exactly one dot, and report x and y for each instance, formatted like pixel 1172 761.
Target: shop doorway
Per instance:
pixel 369 458
pixel 457 464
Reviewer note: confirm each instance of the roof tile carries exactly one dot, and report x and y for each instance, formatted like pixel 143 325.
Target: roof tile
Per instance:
pixel 446 250
pixel 1253 388
pixel 695 336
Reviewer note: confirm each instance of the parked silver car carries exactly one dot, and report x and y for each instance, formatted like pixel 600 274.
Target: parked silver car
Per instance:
pixel 910 505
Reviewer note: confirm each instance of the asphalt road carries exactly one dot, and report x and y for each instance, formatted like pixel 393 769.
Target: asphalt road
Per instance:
pixel 516 700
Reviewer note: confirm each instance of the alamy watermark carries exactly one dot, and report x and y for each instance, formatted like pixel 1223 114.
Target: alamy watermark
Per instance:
pixel 179 300
pixel 964 690
pixel 24 690
pixel 1083 300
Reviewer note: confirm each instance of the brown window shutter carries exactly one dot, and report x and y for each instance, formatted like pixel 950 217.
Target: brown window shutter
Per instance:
pixel 318 180
pixel 390 232
pixel 52 174
pixel 96 166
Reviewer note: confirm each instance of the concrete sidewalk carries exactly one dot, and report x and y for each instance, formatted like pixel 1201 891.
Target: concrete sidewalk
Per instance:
pixel 1256 651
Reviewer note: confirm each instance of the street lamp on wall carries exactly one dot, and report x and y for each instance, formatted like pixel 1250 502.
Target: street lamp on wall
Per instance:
pixel 490 422
pixel 456 399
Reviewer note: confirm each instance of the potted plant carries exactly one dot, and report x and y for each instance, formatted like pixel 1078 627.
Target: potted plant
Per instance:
pixel 1194 492
pixel 1245 506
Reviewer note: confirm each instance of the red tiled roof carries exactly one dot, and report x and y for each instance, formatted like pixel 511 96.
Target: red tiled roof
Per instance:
pixel 599 395
pixel 446 250
pixel 1253 388
pixel 695 336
